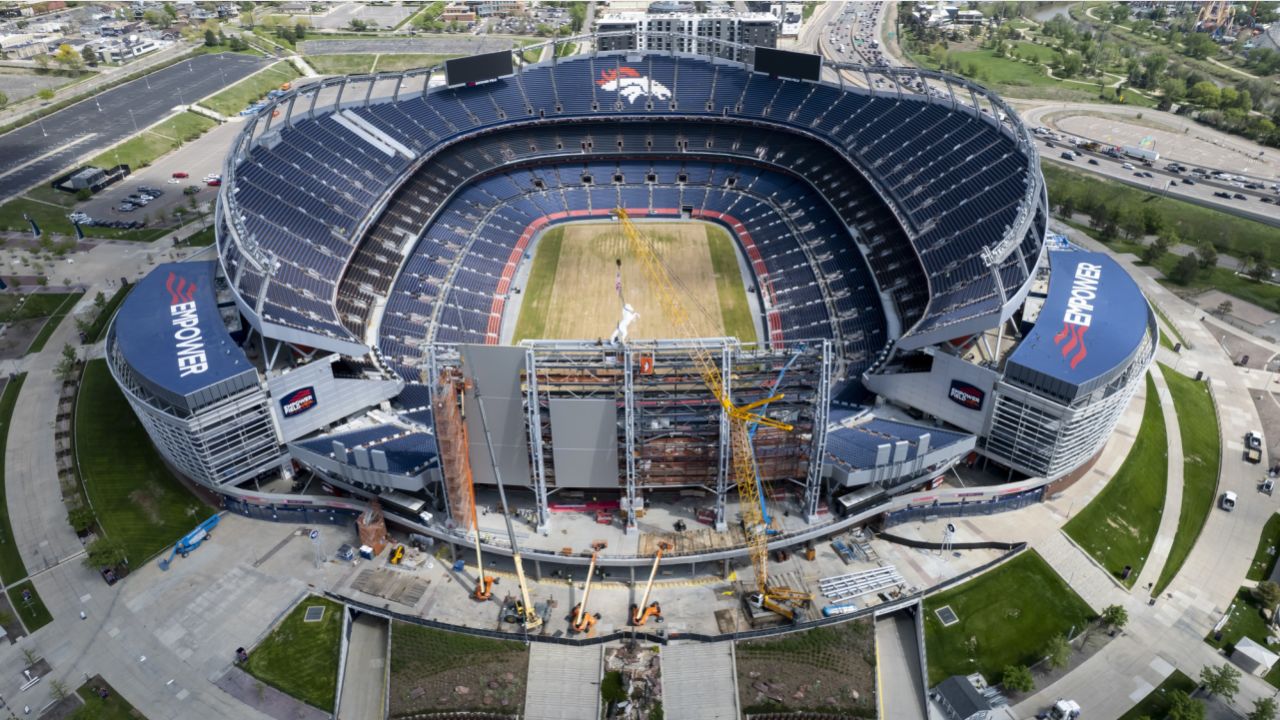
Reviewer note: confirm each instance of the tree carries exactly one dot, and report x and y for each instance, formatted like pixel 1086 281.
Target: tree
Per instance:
pixel 45 94
pixel 1267 592
pixel 105 552
pixel 1223 680
pixel 1207 254
pixel 1186 271
pixel 59 690
pixel 210 39
pixel 68 58
pixel 1152 253
pixel 1132 226
pixel 81 517
pixel 1257 267
pixel 100 300
pixel 1058 651
pixel 1199 45
pixel 1119 12
pixel 1018 678
pixel 1204 94
pixel 90 56
pixel 1263 709
pixel 1115 616
pixel 66 368
pixel 1153 223
pixel 1184 707
pixel 300 31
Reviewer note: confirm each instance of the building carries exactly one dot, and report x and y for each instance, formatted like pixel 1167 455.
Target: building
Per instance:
pixel 1254 658
pixel 122 50
pixel 688 32
pixel 790 16
pixel 960 700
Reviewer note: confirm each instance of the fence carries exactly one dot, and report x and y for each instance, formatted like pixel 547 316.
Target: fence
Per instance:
pixel 1003 503
pixel 301 515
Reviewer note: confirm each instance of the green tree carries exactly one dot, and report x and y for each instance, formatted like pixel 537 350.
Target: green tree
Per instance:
pixel 81 517
pixel 611 688
pixel 45 94
pixel 1184 707
pixel 1119 12
pixel 65 370
pixel 1199 45
pixel 58 689
pixel 1132 226
pixel 1256 266
pixel 68 58
pixel 105 552
pixel 84 194
pixel 1174 88
pixel 1267 592
pixel 1207 254
pixel 1115 616
pixel 100 300
pixel 1018 678
pixel 1224 308
pixel 90 56
pixel 1263 709
pixel 210 39
pixel 1205 94
pixel 1153 223
pixel 1186 271
pixel 1058 652
pixel 1222 680
pixel 1152 253
pixel 300 31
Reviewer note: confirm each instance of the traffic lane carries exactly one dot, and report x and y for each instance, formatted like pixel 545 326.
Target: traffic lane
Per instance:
pixel 40 149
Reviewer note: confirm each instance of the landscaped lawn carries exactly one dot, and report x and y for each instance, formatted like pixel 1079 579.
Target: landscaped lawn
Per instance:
pixel 100 324
pixel 141 150
pixel 55 319
pixel 734 311
pixel 1164 339
pixel 1246 621
pixel 34 614
pixel 1156 703
pixel 1264 558
pixel 427 664
pixel 252 89
pixel 135 497
pixel 12 568
pixel 52 218
pixel 537 289
pixel 1201 449
pixel 1119 525
pixel 301 658
pixel 1013 611
pixel 358 63
pixel 113 707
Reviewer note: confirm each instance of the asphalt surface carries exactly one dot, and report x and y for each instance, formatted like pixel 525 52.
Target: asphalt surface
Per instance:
pixel 51 145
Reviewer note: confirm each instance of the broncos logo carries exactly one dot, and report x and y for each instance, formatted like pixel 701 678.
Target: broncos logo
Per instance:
pixel 1074 335
pixel 630 84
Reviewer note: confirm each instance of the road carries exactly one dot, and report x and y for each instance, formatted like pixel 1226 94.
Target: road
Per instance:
pixel 51 145
pixel 901 685
pixel 365 678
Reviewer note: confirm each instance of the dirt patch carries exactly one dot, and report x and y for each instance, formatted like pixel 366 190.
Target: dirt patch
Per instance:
pixel 438 671
pixel 17 336
pixel 146 502
pixel 9 619
pixel 829 670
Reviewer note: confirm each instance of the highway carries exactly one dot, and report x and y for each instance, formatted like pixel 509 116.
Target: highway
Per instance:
pixel 47 147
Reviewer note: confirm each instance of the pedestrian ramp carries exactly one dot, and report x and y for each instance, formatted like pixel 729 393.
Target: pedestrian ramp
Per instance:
pixel 699 682
pixel 563 682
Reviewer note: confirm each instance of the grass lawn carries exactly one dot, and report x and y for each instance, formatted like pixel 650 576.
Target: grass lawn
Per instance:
pixel 39 305
pixel 1264 558
pixel 99 327
pixel 1232 235
pixel 135 496
pixel 55 319
pixel 1164 340
pixel 1013 611
pixel 1201 451
pixel 734 310
pixel 537 289
pixel 301 658
pixel 141 150
pixel 34 614
pixel 12 568
pixel 203 238
pixel 1245 621
pixel 408 61
pixel 252 89
pixel 358 63
pixel 1119 525
pixel 113 707
pixel 1156 703
pixel 427 664
pixel 52 218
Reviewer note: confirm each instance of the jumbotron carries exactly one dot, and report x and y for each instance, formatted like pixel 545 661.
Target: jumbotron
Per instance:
pixel 365 327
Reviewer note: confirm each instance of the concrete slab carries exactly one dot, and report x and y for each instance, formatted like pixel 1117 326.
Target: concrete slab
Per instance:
pixel 564 682
pixel 365 680
pixel 899 684
pixel 699 682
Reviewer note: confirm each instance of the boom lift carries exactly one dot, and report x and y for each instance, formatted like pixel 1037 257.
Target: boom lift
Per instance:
pixel 780 600
pixel 525 611
pixel 484 583
pixel 641 613
pixel 584 621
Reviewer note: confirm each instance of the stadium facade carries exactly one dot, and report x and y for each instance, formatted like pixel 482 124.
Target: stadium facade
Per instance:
pixel 371 232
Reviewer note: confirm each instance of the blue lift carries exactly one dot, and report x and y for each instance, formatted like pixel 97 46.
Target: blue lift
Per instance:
pixel 191 541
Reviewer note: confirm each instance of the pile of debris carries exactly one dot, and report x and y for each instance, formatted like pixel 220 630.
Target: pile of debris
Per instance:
pixel 639 669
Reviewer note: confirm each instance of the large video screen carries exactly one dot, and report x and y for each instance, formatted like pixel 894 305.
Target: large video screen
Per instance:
pixel 477 68
pixel 784 63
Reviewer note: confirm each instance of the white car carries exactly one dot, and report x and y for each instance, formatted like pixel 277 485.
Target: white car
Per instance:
pixel 1127 166
pixel 1228 501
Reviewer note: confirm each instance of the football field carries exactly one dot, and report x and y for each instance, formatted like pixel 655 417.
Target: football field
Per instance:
pixel 572 288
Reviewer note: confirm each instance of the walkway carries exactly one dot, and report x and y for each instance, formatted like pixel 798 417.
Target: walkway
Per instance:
pixel 563 682
pixel 699 681
pixel 365 679
pixel 1173 488
pixel 900 685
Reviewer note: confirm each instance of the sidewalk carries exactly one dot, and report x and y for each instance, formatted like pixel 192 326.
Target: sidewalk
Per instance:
pixel 1173 489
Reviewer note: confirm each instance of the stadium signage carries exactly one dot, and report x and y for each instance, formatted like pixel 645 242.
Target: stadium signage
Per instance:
pixel 1078 316
pixel 962 393
pixel 298 401
pixel 192 359
pixel 630 84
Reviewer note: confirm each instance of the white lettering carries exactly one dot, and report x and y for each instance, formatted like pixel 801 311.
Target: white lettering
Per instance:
pixel 1084 290
pixel 192 359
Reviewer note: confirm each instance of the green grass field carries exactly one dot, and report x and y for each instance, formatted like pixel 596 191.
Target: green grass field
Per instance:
pixel 537 289
pixel 1119 525
pixel 1263 558
pixel 1164 339
pixel 360 63
pixel 1013 611
pixel 52 218
pixel 141 150
pixel 136 498
pixel 252 89
pixel 427 664
pixel 301 658
pixel 1156 703
pixel 1245 621
pixel 34 614
pixel 734 310
pixel 1201 451
pixel 12 568
pixel 113 707
pixel 55 319
pixel 99 328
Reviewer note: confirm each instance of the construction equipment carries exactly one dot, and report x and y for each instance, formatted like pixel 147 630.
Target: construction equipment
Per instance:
pixel 583 621
pixel 641 612
pixel 484 583
pixel 397 555
pixel 742 419
pixel 525 611
pixel 191 541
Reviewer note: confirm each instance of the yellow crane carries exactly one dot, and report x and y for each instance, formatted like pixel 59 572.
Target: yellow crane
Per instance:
pixel 484 583
pixel 583 621
pixel 774 599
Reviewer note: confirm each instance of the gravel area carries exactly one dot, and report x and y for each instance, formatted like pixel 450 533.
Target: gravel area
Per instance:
pixel 19 85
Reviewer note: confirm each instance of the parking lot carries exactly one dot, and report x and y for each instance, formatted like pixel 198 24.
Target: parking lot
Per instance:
pixel 381 16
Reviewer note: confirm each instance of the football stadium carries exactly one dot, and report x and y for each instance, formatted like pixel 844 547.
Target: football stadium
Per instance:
pixel 610 293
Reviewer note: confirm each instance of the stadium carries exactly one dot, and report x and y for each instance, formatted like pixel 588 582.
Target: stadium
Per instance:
pixel 425 293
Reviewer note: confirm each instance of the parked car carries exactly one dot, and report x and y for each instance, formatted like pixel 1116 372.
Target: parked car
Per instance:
pixel 1268 486
pixel 181 175
pixel 1253 440
pixel 214 182
pixel 1227 501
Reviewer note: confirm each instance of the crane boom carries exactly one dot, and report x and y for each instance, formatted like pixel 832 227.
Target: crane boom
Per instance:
pixel 740 416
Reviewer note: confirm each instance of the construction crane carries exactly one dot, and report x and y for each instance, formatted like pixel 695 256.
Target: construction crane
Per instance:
pixel 741 419
pixel 192 540
pixel 525 612
pixel 583 621
pixel 484 583
pixel 641 612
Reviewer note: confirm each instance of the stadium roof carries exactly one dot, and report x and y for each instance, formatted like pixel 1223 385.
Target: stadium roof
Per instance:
pixel 171 331
pixel 1092 322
